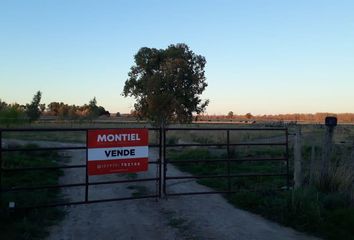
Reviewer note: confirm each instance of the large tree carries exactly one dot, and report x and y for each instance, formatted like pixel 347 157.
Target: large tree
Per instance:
pixel 167 84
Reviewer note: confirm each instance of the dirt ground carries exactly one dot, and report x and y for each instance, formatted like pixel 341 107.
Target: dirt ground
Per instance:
pixel 182 217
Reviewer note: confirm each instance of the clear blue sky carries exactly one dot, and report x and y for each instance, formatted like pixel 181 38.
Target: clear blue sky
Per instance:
pixel 263 56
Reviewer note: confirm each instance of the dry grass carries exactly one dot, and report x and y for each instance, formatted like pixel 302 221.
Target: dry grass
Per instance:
pixel 340 177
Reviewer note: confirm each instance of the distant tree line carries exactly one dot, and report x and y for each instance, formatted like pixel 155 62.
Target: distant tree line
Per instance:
pixel 15 113
pixel 72 112
pixel 291 117
pixel 11 113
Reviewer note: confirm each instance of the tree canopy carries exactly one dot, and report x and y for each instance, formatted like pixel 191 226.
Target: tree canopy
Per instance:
pixel 249 115
pixel 167 84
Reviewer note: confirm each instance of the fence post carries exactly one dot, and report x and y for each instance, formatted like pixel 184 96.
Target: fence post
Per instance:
pixel 228 161
pixel 298 176
pixel 330 122
pixel 327 150
pixel 313 166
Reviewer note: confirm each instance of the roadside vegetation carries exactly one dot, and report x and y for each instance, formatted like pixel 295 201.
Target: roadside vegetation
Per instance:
pixel 22 222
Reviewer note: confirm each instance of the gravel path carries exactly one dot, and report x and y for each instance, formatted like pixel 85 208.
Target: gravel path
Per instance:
pixel 184 217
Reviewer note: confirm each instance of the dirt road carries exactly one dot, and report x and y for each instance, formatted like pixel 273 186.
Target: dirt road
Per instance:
pixel 188 217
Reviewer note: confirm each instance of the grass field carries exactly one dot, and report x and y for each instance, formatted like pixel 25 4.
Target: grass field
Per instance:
pixel 29 223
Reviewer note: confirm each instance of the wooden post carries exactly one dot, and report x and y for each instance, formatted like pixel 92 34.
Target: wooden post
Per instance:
pixel 313 164
pixel 326 151
pixel 298 177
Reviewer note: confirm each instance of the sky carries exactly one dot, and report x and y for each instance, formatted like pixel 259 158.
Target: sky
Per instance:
pixel 263 56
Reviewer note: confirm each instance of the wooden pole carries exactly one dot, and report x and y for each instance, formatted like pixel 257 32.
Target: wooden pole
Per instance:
pixel 326 151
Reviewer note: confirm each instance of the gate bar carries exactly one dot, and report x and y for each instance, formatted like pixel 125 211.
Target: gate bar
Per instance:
pixel 228 160
pixel 86 172
pixel 164 160
pixel 224 144
pixel 287 159
pixel 231 160
pixel 160 161
pixel 0 165
pixel 230 176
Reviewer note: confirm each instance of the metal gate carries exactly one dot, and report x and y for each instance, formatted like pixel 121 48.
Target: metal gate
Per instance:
pixel 221 170
pixel 80 188
pixel 164 178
